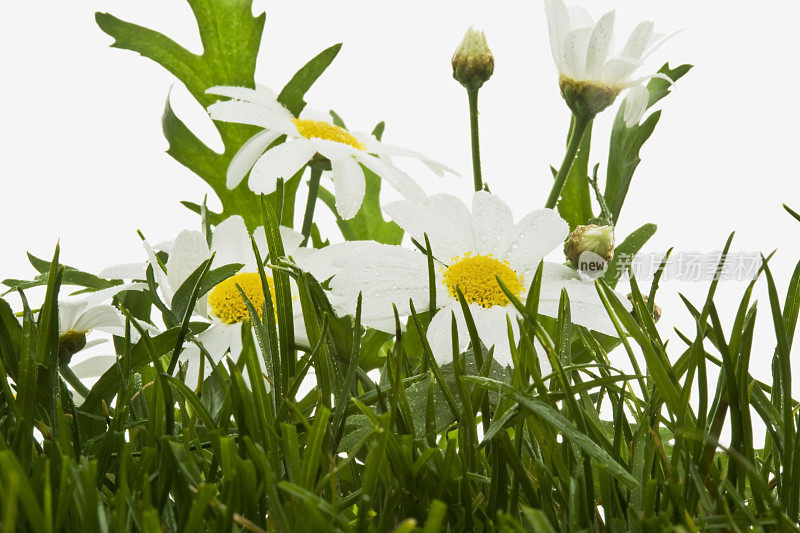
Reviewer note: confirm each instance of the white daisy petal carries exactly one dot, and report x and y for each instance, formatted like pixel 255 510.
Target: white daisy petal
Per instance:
pixel 618 70
pixel 349 186
pixel 558 26
pixel 576 44
pixel 399 180
pixel 638 41
pixel 69 309
pixel 93 367
pixel 100 317
pixel 440 332
pixel 491 220
pixel 101 296
pixel 124 271
pixel 189 250
pixel 158 273
pixel 240 113
pixel 635 104
pixel 445 219
pixel 291 239
pixel 599 43
pixel 282 161
pixel 492 326
pixel 257 96
pixel 390 275
pixel 231 243
pixel 579 17
pixel 535 236
pixel 247 155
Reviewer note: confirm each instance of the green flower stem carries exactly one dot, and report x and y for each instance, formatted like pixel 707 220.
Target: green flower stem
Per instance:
pixel 581 123
pixel 70 377
pixel 313 192
pixel 476 145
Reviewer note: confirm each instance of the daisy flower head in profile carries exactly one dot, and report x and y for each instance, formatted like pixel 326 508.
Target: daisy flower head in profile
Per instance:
pixel 472 248
pixel 590 77
pixel 78 316
pixel 310 137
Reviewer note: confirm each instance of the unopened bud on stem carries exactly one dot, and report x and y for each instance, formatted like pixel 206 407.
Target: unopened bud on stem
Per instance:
pixel 473 62
pixel 589 248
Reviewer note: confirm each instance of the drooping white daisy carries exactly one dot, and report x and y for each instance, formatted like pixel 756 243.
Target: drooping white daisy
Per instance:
pixel 470 248
pixel 591 77
pixel 80 315
pixel 306 137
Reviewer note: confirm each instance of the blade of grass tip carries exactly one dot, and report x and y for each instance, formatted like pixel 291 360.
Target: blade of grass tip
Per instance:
pixel 792 212
pixel 433 365
pixel 474 338
pixel 205 221
pixel 272 355
pixel 254 367
pixel 26 385
pixel 466 427
pixel 610 312
pixel 283 293
pixel 47 337
pixel 651 298
pixel 187 315
pixel 431 276
pixel 315 336
pixel 350 379
pixel 279 199
pixel 169 414
pixel 791 306
pixel 782 354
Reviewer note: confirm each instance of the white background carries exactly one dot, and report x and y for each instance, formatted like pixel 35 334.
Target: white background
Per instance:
pixel 82 154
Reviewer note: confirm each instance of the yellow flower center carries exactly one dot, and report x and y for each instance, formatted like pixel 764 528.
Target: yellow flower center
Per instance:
pixel 476 276
pixel 226 302
pixel 324 130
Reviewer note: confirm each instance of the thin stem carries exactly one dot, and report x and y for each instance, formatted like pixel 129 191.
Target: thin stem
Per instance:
pixel 70 377
pixel 476 145
pixel 313 192
pixel 581 124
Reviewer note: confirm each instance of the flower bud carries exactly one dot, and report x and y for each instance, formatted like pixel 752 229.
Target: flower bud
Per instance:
pixel 656 309
pixel 69 344
pixel 586 99
pixel 473 62
pixel 589 248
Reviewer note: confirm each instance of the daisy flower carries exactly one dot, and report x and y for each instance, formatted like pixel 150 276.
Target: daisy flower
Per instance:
pixel 590 77
pixel 470 248
pixel 306 138
pixel 223 305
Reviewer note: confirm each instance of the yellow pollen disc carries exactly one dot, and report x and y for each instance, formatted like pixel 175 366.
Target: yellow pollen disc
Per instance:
pixel 324 130
pixel 476 276
pixel 226 302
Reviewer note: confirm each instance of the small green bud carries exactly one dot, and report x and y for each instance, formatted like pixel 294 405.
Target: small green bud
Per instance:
pixel 473 62
pixel 69 344
pixel 656 309
pixel 589 248
pixel 586 99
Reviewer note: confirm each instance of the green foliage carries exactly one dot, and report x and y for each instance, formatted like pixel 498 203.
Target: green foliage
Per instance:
pixel 623 155
pixel 403 451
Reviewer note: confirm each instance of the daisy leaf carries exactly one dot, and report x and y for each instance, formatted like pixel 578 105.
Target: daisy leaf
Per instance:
pixel 626 251
pixel 623 155
pixel 575 205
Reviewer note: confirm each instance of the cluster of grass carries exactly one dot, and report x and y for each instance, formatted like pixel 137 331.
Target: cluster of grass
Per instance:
pixel 467 446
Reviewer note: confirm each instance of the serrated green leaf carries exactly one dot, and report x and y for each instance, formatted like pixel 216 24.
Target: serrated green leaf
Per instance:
pixel 623 155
